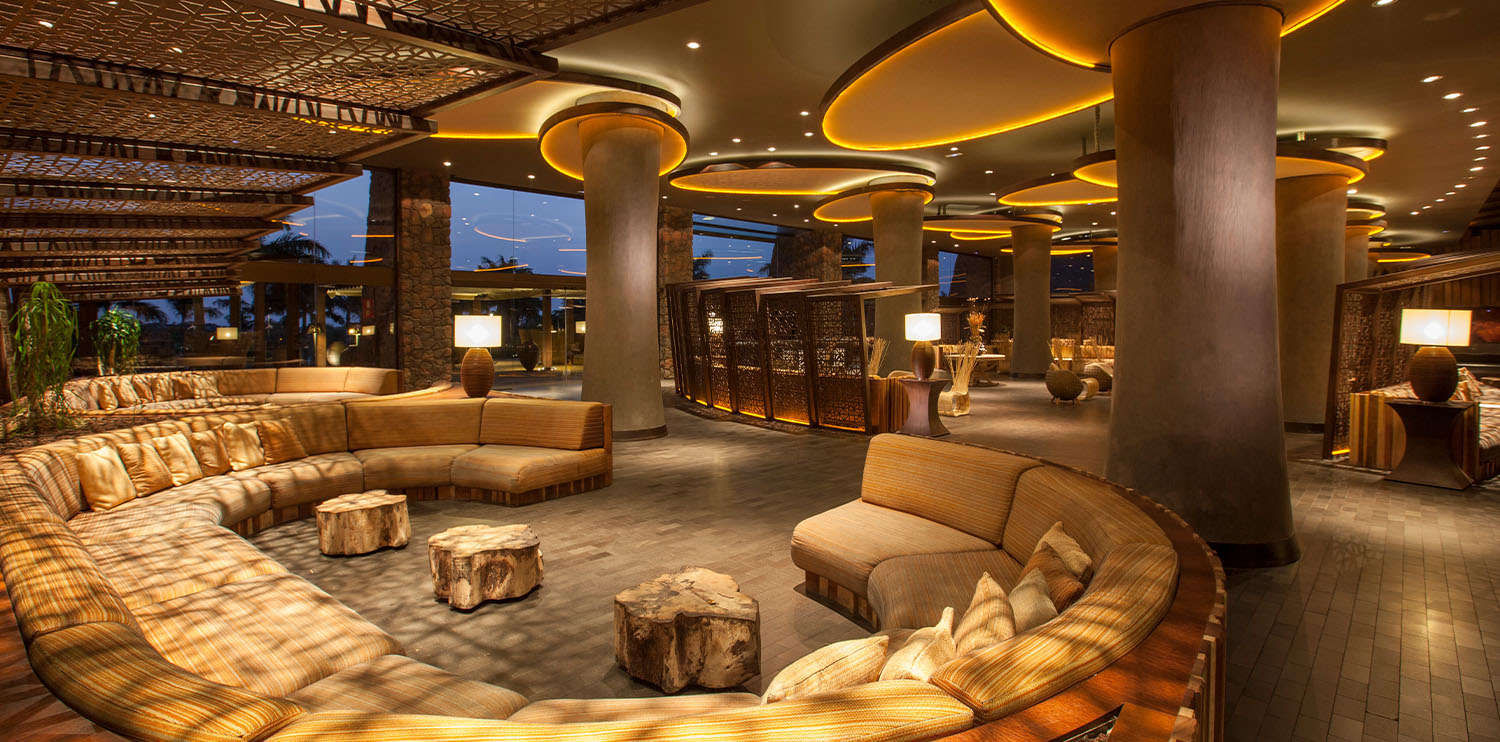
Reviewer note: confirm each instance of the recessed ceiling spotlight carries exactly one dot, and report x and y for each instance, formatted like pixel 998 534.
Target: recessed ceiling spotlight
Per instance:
pixel 1480 136
pixel 796 206
pixel 1440 200
pixel 1382 3
pixel 663 198
pixel 989 172
pixel 1478 123
pixel 1432 78
pixel 1470 109
pixel 1481 148
pixel 803 113
pixel 150 115
pixel 531 177
pixel 736 140
pixel 1450 193
pixel 447 163
pixel 774 215
pixel 1460 185
pixel 952 149
pixel 44 24
pixel 1416 213
pixel 1095 223
pixel 1480 159
pixel 1428 206
pixel 693 45
pixel 713 154
pixel 177 49
pixel 1476 168
pixel 992 193
pixel 770 149
pixel 1451 96
pixel 1352 191
pixel 806 133
pixel 805 221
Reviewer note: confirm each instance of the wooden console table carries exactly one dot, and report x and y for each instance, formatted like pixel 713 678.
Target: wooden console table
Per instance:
pixel 1430 457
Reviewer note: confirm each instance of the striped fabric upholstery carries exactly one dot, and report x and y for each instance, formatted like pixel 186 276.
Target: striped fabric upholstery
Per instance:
pixel 401 685
pixel 50 477
pixel 1130 593
pixel 322 428
pixel 179 562
pixel 1092 511
pixel 414 423
pixel 411 466
pixel 246 381
pixel 844 544
pixel 899 711
pixel 525 468
pixel 272 634
pixel 313 479
pixel 372 380
pixel 109 674
pixel 20 503
pixel 235 498
pixel 545 423
pixel 911 591
pixel 580 710
pixel 53 581
pixel 311 379
pixel 973 492
pixel 128 523
pixel 837 665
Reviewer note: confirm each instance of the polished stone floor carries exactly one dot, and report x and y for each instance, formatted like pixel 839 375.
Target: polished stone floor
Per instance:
pixel 1385 630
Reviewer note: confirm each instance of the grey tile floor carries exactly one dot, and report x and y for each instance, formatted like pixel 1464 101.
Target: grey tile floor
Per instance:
pixel 1385 630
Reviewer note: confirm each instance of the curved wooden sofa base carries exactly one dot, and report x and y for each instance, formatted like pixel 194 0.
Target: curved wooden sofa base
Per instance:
pixel 845 601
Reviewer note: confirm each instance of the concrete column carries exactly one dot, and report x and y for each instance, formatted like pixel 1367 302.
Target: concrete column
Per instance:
pixel 674 264
pixel 1031 247
pixel 1309 268
pixel 898 259
pixel 621 157
pixel 424 279
pixel 1356 254
pixel 1105 258
pixel 380 350
pixel 1196 420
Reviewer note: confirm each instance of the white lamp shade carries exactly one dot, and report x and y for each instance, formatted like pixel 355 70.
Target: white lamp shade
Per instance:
pixel 924 326
pixel 476 331
pixel 578 327
pixel 1435 326
pixel 227 333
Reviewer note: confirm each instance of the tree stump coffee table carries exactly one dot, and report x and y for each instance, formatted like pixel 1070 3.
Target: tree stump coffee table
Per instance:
pixel 472 564
pixel 689 627
pixel 362 522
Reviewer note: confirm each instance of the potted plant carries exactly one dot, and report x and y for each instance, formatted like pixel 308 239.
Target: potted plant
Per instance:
pixel 117 340
pixel 45 327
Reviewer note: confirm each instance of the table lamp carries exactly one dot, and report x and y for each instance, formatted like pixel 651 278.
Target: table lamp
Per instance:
pixel 478 333
pixel 1434 372
pixel 922 328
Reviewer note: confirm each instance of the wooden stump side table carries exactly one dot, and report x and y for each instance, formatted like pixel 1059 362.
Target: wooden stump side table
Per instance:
pixel 689 627
pixel 472 564
pixel 922 407
pixel 1430 458
pixel 363 522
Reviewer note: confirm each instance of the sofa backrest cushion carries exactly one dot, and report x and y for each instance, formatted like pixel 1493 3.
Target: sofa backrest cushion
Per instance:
pixel 47 473
pixel 1131 591
pixel 548 423
pixel 964 487
pixel 53 581
pixel 108 673
pixel 322 427
pixel 1094 512
pixel 434 422
pixel 311 379
pixel 240 382
pixel 366 380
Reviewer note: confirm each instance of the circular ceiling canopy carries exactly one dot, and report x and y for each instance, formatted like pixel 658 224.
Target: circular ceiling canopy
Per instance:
pixel 993 225
pixel 518 113
pixel 1079 32
pixel 1365 148
pixel 1369 227
pixel 793 176
pixel 1091 239
pixel 1396 255
pixel 1293 159
pixel 1365 210
pixel 932 67
pixel 855 206
pixel 562 146
pixel 1061 189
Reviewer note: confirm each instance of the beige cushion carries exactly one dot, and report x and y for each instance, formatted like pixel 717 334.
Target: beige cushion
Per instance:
pixel 144 392
pixel 1030 602
pixel 206 386
pixel 414 466
pixel 208 447
pixel 247 381
pixel 548 423
pixel 133 522
pixel 988 620
pixel 582 710
pixel 1093 511
pixel 365 380
pixel 838 665
pixel 179 562
pixel 242 443
pixel 1078 562
pixel 124 391
pixel 146 469
pixel 525 468
pixel 1062 586
pixel 923 653
pixel 414 423
pixel 177 452
pixel 311 379
pixel 912 591
pixel 233 497
pixel 104 395
pixel 844 544
pixel 401 685
pixel 278 441
pixel 322 428
pixel 162 389
pixel 973 494
pixel 103 478
pixel 313 479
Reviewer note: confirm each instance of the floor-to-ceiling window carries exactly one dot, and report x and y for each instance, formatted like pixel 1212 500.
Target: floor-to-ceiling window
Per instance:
pixel 731 248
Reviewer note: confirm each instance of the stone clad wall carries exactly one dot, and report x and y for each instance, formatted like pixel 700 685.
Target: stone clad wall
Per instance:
pixel 811 254
pixel 674 264
pixel 424 282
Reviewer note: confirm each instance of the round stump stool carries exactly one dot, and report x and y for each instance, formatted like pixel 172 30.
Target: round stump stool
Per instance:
pixel 689 627
pixel 363 522
pixel 472 564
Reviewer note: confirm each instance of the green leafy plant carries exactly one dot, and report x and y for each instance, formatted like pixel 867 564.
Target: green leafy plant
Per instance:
pixel 117 340
pixel 46 334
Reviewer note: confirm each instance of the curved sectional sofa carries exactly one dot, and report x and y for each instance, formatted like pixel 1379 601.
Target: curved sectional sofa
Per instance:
pixel 156 621
pixel 186 392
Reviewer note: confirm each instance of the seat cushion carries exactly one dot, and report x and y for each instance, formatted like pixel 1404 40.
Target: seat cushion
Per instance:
pixel 128 523
pixel 911 591
pixel 235 497
pixel 313 479
pixel 273 634
pixel 401 685
pixel 179 562
pixel 578 710
pixel 525 468
pixel 414 466
pixel 973 495
pixel 844 544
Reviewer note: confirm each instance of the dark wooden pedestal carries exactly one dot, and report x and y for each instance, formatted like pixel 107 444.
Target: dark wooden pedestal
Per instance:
pixel 1429 458
pixel 922 407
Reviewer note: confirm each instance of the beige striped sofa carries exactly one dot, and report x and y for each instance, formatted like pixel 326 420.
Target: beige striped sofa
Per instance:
pixel 157 621
pixel 186 392
pixel 933 516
